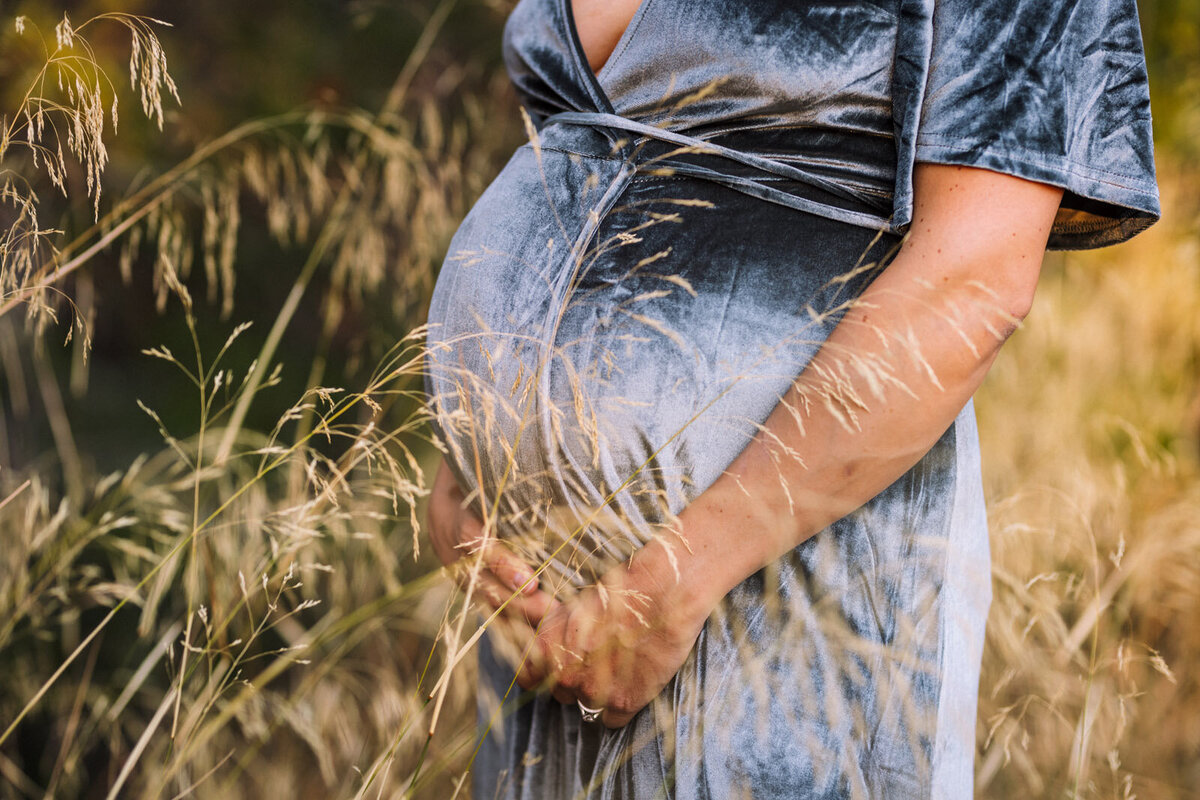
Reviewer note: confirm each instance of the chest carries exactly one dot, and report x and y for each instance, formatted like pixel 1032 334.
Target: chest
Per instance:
pixel 826 63
pixel 600 25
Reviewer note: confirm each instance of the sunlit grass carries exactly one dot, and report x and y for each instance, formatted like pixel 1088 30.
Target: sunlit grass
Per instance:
pixel 243 613
pixel 1092 462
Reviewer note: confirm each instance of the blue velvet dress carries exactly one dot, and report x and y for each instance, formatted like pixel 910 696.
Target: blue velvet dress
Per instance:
pixel 630 298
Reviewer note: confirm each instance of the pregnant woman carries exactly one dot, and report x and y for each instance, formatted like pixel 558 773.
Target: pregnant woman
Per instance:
pixel 702 359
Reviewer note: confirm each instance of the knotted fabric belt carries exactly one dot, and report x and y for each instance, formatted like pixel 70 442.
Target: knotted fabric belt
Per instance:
pixel 741 183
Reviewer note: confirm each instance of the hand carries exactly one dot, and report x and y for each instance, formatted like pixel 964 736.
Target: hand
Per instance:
pixel 616 645
pixel 460 541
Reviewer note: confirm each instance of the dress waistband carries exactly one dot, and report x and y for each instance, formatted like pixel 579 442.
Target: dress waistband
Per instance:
pixel 741 183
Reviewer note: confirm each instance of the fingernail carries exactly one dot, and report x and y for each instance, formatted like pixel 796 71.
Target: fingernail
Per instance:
pixel 522 581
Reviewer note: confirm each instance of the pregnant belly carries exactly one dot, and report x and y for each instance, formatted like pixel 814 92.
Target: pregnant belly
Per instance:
pixel 602 347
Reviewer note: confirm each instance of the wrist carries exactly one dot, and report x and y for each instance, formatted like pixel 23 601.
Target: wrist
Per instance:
pixel 726 535
pixel 669 578
pixel 688 570
pixel 745 520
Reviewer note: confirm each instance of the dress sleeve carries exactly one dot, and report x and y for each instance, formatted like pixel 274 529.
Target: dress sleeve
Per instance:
pixel 1049 90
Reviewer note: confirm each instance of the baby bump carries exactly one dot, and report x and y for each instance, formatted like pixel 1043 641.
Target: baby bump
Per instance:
pixel 591 382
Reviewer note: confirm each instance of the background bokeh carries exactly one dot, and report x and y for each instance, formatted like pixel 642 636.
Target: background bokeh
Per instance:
pixel 234 62
pixel 1091 421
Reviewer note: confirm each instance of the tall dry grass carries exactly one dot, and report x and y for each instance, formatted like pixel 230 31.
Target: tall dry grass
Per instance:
pixel 1090 423
pixel 240 597
pixel 244 612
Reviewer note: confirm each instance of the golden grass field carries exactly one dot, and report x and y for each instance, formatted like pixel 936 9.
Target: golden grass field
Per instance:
pixel 1090 422
pixel 243 613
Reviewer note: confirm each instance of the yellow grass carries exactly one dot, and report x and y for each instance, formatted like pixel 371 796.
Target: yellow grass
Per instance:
pixel 1089 422
pixel 269 631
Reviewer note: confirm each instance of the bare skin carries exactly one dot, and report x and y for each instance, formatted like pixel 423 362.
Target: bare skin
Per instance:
pixel 456 532
pixel 600 24
pixel 959 286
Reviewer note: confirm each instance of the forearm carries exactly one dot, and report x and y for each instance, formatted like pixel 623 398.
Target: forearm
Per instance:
pixel 887 383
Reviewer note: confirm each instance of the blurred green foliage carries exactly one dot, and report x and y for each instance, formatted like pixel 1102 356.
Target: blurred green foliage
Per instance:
pixel 232 61
pixel 1171 32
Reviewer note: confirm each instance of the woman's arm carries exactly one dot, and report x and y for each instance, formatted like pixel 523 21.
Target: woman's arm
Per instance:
pixel 888 382
pixel 930 325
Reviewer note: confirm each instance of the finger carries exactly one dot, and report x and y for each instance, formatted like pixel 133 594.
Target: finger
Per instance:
pixel 519 643
pixel 471 571
pixel 535 673
pixel 509 568
pixel 468 534
pixel 532 608
pixel 564 695
pixel 495 596
pixel 528 678
pixel 443 535
pixel 548 650
pixel 542 663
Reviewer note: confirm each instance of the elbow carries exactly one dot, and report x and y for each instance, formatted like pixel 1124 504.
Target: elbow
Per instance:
pixel 1019 285
pixel 985 231
pixel 1000 287
pixel 1015 299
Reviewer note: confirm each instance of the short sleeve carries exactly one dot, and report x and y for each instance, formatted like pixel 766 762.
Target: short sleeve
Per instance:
pixel 1053 91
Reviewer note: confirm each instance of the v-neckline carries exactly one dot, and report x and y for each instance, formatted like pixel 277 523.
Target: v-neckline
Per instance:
pixel 591 76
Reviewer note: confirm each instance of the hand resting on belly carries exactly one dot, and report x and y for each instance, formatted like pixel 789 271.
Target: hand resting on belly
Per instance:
pixel 960 285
